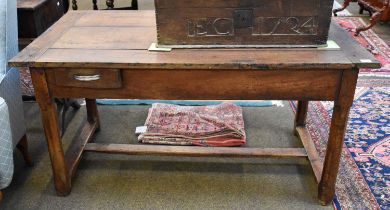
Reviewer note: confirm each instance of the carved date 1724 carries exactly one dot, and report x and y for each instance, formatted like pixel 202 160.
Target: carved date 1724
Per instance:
pixel 261 26
pixel 189 23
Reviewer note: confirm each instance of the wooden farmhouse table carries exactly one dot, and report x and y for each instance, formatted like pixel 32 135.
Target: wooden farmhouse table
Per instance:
pixel 104 54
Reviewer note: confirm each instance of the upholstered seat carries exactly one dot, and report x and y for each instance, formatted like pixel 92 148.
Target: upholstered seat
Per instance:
pixel 11 103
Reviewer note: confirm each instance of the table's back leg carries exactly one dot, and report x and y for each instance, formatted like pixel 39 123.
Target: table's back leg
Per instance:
pixel 326 188
pixel 300 117
pixel 92 112
pixel 50 124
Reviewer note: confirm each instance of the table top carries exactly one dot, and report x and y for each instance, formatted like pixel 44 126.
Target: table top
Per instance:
pixel 120 39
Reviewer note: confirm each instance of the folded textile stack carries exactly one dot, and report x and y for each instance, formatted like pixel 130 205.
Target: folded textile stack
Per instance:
pixel 218 125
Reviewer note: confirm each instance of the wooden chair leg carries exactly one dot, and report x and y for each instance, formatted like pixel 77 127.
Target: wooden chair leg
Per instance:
pixel 74 5
pixel 361 8
pixel 23 148
pixel 373 20
pixel 345 5
pixel 94 3
pixel 134 4
pixel 1 196
pixel 110 4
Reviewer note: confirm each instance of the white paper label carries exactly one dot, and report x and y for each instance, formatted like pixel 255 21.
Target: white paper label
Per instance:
pixel 365 60
pixel 140 129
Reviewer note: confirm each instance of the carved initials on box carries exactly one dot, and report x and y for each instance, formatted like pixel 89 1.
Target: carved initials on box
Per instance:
pixel 210 27
pixel 262 26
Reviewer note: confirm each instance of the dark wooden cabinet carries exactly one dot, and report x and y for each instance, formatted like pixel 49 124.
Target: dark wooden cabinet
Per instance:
pixel 35 16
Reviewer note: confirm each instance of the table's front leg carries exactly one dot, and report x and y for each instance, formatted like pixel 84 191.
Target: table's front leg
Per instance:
pixel 326 188
pixel 50 123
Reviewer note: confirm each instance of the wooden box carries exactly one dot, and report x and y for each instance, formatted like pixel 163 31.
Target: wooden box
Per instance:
pixel 243 23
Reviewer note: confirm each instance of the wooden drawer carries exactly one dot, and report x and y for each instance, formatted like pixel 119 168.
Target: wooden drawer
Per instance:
pixel 88 78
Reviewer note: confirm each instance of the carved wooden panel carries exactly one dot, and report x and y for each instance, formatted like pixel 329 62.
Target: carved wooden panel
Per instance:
pixel 243 22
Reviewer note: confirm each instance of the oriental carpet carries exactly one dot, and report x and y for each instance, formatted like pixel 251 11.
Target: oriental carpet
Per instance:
pixel 216 125
pixel 372 42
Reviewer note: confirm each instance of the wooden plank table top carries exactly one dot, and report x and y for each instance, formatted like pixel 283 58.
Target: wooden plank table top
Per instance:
pixel 121 39
pixel 104 54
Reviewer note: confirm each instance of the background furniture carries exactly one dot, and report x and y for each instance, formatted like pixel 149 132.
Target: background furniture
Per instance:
pixel 379 10
pixel 6 148
pixel 124 68
pixel 109 3
pixel 35 16
pixel 9 79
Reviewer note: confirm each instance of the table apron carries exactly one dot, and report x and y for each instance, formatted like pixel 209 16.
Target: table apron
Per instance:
pixel 209 85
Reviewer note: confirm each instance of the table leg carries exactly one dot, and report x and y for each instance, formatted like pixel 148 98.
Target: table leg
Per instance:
pixel 326 188
pixel 50 124
pixel 300 117
pixel 92 112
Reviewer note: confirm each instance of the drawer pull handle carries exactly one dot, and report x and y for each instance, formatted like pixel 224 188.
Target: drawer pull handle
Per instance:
pixel 87 78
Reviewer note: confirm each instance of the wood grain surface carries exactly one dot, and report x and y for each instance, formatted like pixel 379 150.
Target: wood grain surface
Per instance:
pixel 192 151
pixel 103 39
pixel 87 44
pixel 210 85
pixel 243 22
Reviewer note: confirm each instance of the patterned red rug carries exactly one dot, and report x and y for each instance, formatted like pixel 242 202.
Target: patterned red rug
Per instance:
pixel 216 125
pixel 364 177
